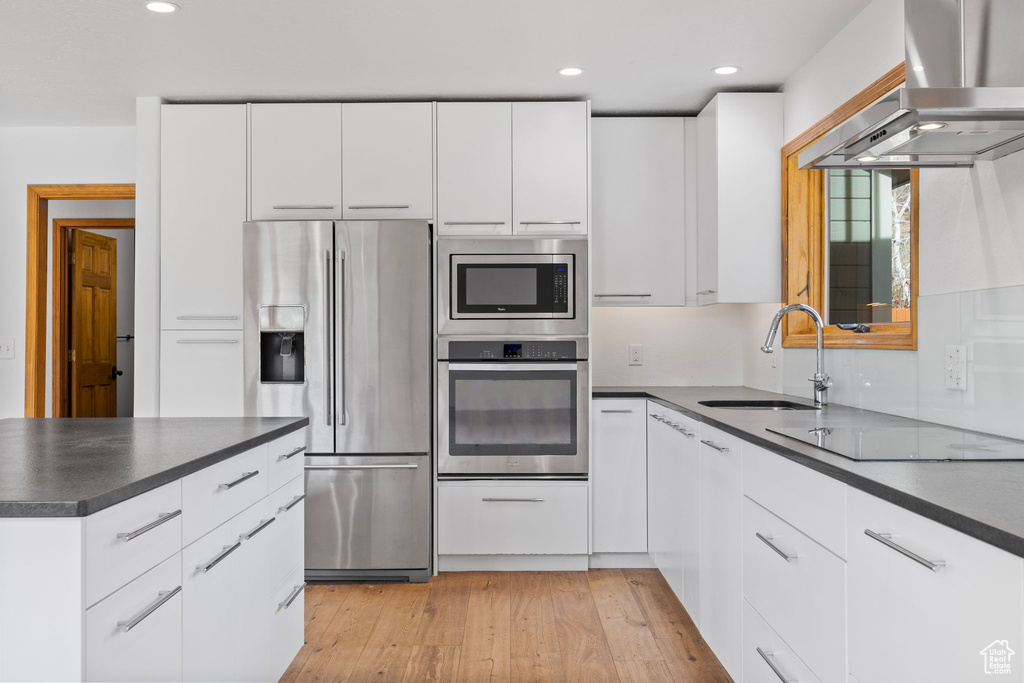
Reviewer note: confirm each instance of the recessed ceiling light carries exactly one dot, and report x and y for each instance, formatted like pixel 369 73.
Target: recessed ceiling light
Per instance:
pixel 867 158
pixel 725 70
pixel 570 71
pixel 931 125
pixel 162 7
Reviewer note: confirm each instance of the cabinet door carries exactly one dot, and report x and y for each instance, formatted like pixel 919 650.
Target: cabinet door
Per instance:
pixel 619 476
pixel 201 373
pixel 689 500
pixel 638 232
pixel 388 160
pixel 474 168
pixel 295 162
pixel 707 205
pixel 911 622
pixel 664 480
pixel 549 167
pixel 721 556
pixel 252 622
pixel 202 208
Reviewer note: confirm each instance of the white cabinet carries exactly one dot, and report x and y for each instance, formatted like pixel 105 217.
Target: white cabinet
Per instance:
pixel 664 480
pixel 295 161
pixel 738 256
pixel 912 618
pixel 766 657
pixel 474 168
pixel 619 476
pixel 639 214
pixel 201 373
pixel 550 147
pixel 388 160
pixel 202 208
pixel 721 555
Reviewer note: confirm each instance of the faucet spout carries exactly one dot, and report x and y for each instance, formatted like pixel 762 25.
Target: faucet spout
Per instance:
pixel 821 379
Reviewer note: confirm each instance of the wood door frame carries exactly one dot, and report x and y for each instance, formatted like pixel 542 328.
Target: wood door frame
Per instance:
pixel 35 294
pixel 61 300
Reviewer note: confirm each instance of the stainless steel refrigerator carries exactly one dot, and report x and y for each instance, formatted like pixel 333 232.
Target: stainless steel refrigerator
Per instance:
pixel 337 329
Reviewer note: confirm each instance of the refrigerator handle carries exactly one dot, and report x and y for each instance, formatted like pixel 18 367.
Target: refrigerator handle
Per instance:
pixel 329 379
pixel 340 310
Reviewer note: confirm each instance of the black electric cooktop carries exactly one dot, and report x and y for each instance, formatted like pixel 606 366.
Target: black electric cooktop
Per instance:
pixel 906 443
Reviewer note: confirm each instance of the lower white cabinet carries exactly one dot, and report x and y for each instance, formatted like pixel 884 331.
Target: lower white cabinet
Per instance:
pixel 287 623
pixel 208 568
pixel 766 657
pixel 201 373
pixel 927 603
pixel 618 467
pixel 665 479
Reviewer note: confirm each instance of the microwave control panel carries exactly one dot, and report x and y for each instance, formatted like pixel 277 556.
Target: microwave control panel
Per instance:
pixel 512 350
pixel 560 287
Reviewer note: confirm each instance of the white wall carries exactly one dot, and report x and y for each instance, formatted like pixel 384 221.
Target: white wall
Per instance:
pixel 38 156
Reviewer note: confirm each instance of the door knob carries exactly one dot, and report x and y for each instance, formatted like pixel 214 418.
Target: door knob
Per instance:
pixel 115 373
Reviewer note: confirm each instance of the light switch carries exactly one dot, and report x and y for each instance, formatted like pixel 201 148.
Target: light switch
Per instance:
pixel 7 347
pixel 956 367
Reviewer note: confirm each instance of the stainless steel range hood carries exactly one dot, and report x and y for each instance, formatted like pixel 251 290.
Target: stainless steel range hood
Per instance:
pixel 963 99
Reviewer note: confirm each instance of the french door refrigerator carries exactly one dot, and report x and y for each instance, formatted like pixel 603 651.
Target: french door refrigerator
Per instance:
pixel 337 329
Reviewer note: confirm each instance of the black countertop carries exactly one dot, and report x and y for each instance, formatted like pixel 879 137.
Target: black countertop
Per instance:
pixel 981 499
pixel 61 467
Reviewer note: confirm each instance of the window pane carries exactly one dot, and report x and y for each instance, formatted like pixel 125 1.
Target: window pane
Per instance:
pixel 868 223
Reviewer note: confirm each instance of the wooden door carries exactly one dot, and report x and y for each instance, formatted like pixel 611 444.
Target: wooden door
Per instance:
pixel 93 325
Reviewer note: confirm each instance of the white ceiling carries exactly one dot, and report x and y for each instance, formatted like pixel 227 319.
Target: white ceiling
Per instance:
pixel 82 62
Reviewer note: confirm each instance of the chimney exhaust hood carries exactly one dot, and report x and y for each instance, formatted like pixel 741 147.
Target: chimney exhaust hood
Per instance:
pixel 963 99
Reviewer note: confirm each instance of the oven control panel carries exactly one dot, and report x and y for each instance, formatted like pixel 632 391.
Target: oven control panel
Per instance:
pixel 501 350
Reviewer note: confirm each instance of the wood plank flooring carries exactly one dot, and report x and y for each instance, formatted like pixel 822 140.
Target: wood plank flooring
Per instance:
pixel 529 627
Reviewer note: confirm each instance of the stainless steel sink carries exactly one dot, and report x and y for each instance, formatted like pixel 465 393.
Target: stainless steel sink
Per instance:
pixel 756 405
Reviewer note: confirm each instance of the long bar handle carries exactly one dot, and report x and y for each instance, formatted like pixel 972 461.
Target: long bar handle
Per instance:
pixel 404 466
pixel 767 657
pixel 705 292
pixel 380 206
pixel 550 222
pixel 289 456
pixel 767 540
pixel 287 602
pixel 474 222
pixel 207 341
pixel 207 317
pixel 303 207
pixel 712 444
pixel 512 500
pixel 328 355
pixel 125 626
pixel 616 411
pixel 295 501
pixel 886 540
pixel 264 523
pixel 340 360
pixel 161 519
pixel 225 551
pixel 246 476
pixel 602 296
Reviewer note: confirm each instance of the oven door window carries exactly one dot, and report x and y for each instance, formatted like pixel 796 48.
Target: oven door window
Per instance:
pixel 511 288
pixel 512 412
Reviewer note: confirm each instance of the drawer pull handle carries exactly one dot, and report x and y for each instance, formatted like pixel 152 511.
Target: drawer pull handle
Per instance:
pixel 207 317
pixel 619 296
pixel 474 222
pixel 616 411
pixel 767 657
pixel 295 501
pixel 288 456
pixel 404 466
pixel 246 476
pixel 767 540
pixel 712 444
pixel 886 539
pixel 688 435
pixel 303 207
pixel 264 523
pixel 380 206
pixel 549 222
pixel 161 518
pixel 705 292
pixel 207 341
pixel 512 500
pixel 125 626
pixel 287 602
pixel 225 551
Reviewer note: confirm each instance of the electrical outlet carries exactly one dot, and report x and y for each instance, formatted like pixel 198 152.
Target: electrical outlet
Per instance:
pixel 956 367
pixel 7 347
pixel 636 354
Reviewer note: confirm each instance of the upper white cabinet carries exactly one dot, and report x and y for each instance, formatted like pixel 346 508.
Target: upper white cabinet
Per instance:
pixel 295 161
pixel 619 476
pixel 550 167
pixel 202 208
pixel 639 213
pixel 738 252
pixel 474 168
pixel 388 160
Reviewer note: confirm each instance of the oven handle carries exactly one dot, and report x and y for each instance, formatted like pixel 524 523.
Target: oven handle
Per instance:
pixel 512 367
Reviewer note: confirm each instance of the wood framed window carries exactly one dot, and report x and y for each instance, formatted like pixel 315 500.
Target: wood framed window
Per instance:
pixel 830 236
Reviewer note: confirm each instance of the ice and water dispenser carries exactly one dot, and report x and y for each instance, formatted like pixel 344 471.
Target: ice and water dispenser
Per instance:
pixel 282 344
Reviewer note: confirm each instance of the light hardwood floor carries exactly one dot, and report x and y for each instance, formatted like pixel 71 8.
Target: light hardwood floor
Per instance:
pixel 600 625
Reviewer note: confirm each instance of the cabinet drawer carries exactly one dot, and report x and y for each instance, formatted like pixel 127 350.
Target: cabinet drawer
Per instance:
pixel 201 373
pixel 216 494
pixel 287 607
pixel 812 502
pixel 519 520
pixel 799 588
pixel 766 657
pixel 128 539
pixel 286 535
pixel 285 457
pixel 135 634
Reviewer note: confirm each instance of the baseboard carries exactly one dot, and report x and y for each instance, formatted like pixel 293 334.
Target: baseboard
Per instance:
pixel 511 563
pixel 621 561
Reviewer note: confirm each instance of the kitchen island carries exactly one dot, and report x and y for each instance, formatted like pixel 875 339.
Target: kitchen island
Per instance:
pixel 150 549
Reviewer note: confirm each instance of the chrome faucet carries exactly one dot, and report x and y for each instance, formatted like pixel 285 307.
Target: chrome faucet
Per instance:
pixel 821 380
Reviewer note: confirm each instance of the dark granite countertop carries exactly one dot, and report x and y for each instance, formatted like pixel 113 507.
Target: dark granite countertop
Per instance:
pixel 981 499
pixel 61 467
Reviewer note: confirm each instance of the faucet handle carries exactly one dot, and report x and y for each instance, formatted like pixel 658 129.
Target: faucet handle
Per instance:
pixel 822 380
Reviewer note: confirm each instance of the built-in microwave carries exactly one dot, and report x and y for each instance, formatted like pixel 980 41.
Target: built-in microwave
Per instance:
pixel 512 286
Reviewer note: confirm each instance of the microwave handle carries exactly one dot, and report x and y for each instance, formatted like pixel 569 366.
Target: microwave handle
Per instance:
pixel 514 366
